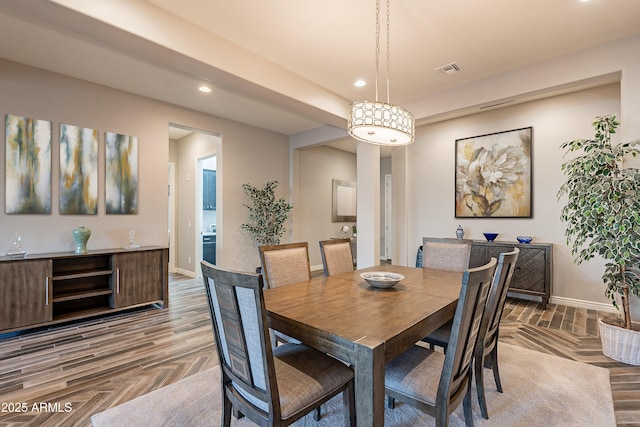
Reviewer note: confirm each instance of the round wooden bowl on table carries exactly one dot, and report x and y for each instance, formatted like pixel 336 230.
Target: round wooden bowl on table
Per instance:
pixel 382 279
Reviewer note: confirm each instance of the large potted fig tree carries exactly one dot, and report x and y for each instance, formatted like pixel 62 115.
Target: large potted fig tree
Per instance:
pixel 602 215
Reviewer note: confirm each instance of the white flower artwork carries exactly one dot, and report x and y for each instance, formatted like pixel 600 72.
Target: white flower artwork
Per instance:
pixel 493 175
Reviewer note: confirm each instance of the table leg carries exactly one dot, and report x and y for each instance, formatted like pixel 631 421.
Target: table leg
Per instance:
pixel 369 377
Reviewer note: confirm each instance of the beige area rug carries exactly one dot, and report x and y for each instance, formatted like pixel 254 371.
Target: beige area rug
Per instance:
pixel 539 389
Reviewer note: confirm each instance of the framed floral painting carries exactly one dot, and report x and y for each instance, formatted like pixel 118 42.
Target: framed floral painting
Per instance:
pixel 493 175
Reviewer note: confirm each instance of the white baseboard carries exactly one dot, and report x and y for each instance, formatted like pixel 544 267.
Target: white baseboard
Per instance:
pixel 187 273
pixel 590 305
pixel 571 302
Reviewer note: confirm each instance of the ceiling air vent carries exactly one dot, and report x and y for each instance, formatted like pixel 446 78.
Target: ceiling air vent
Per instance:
pixel 449 68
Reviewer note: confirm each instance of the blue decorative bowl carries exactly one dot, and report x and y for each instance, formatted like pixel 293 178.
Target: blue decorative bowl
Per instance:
pixel 490 236
pixel 524 239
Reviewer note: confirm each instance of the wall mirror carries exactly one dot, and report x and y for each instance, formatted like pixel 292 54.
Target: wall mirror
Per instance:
pixel 344 201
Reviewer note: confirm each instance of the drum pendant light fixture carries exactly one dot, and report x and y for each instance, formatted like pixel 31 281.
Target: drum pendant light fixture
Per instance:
pixel 378 122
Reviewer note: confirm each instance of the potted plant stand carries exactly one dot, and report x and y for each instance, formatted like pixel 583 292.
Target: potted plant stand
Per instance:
pixel 619 343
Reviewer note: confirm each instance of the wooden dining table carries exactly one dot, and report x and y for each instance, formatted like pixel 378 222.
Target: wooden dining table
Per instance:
pixel 344 316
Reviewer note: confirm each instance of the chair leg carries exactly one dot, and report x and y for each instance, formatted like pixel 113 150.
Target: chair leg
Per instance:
pixel 226 412
pixel 466 405
pixel 442 415
pixel 391 402
pixel 494 365
pixel 349 401
pixel 482 400
pixel 317 414
pixel 237 414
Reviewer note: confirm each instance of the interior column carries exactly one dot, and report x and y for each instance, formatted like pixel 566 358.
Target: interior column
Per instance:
pixel 368 204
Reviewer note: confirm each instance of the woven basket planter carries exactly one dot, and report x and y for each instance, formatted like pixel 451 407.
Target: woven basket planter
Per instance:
pixel 620 344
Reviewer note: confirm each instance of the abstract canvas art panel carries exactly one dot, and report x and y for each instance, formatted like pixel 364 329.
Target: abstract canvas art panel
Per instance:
pixel 27 165
pixel 493 175
pixel 78 170
pixel 121 174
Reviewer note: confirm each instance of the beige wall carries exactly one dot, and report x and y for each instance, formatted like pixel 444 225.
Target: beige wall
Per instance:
pixel 248 155
pixel 190 148
pixel 173 151
pixel 317 168
pixel 554 121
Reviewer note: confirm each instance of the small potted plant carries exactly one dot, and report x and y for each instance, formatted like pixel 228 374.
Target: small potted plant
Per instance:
pixel 602 213
pixel 267 215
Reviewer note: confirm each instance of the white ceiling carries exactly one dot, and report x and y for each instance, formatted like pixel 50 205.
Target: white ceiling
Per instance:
pixel 178 133
pixel 289 65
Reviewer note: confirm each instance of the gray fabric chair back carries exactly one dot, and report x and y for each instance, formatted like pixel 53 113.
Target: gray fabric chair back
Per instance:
pixel 336 256
pixel 457 373
pixel 240 329
pixel 489 328
pixel 446 254
pixel 285 264
pixel 498 296
pixel 486 353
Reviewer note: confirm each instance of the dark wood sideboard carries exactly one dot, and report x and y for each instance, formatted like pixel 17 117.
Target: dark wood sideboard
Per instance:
pixel 534 268
pixel 44 289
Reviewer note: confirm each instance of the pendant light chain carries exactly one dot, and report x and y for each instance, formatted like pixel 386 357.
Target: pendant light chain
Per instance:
pixel 388 24
pixel 378 122
pixel 377 44
pixel 388 52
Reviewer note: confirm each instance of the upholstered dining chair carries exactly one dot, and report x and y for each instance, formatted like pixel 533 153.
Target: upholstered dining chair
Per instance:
pixel 446 254
pixel 336 256
pixel 435 382
pixel 285 263
pixel 270 386
pixel 282 265
pixel 486 353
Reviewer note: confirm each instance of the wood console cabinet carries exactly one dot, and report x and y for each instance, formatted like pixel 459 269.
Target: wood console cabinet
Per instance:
pixel 44 289
pixel 533 273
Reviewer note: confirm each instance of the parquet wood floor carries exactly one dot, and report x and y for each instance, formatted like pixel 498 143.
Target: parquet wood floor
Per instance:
pixel 93 365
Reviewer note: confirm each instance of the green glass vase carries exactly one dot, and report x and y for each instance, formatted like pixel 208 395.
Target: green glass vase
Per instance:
pixel 81 236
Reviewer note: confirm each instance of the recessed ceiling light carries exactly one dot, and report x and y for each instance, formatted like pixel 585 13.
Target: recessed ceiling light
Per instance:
pixel 205 89
pixel 360 83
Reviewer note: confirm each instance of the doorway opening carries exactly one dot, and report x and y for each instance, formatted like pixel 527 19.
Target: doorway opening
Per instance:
pixel 207 174
pixel 388 220
pixel 194 216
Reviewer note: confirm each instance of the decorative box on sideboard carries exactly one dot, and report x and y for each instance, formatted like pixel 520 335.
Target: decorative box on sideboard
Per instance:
pixel 533 273
pixel 44 289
